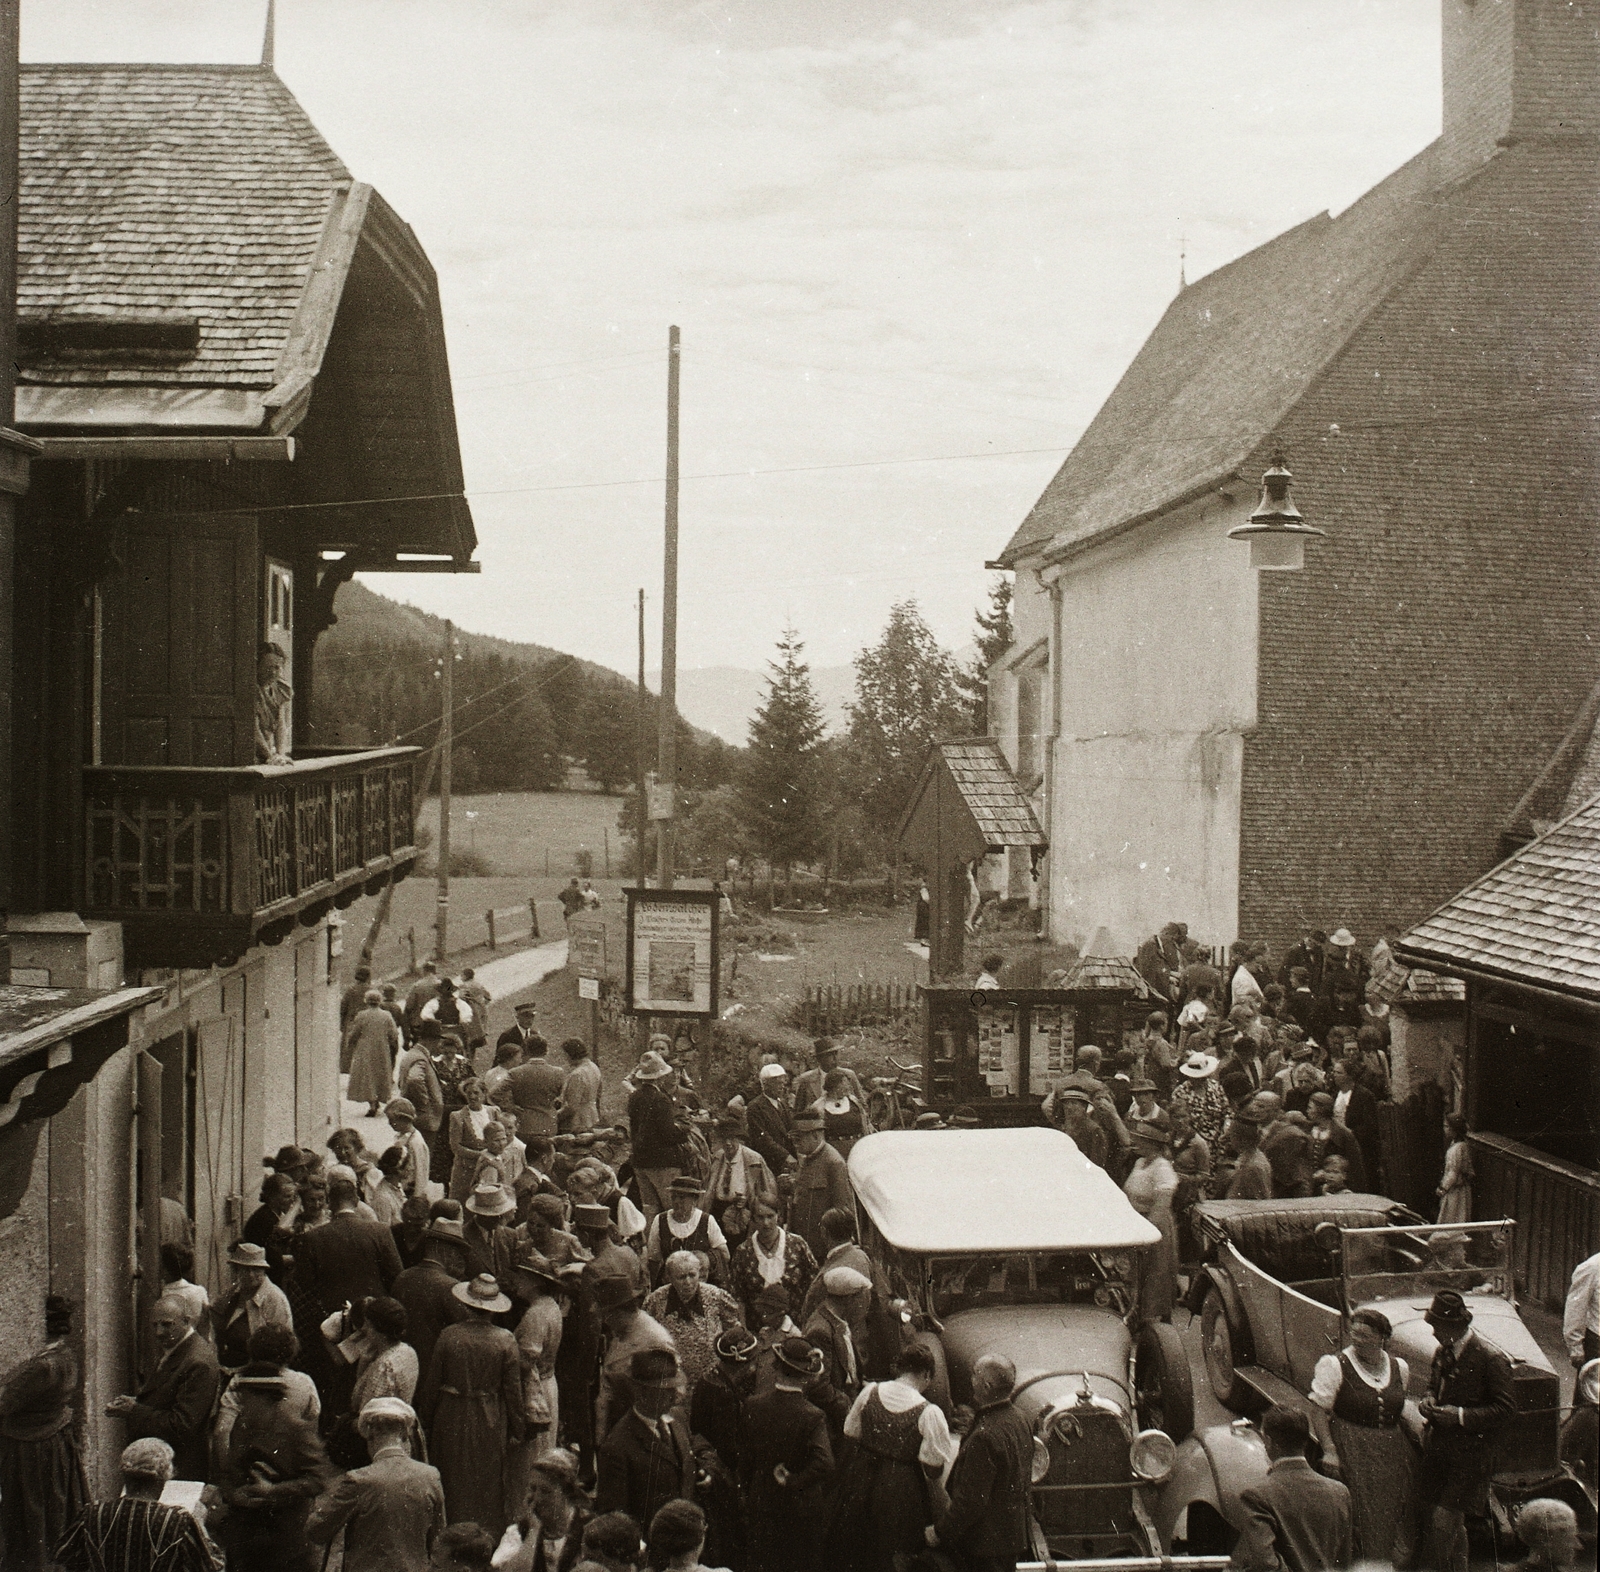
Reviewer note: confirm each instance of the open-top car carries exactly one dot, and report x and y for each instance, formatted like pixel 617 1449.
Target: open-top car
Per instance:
pixel 1281 1278
pixel 1012 1242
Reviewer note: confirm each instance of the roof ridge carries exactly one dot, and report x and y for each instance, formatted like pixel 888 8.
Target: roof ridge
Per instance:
pixel 148 65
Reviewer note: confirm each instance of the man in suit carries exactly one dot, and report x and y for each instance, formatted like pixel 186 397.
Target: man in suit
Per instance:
pixel 809 1085
pixel 1160 962
pixel 1298 1521
pixel 536 1086
pixel 525 1033
pixel 1305 956
pixel 175 1403
pixel 769 1121
pixel 390 1510
pixel 838 1328
pixel 882 1343
pixel 987 1521
pixel 785 1464
pixel 646 1459
pixel 820 1183
pixel 425 1289
pixel 1469 1398
pixel 1357 1110
pixel 349 1258
pixel 426 987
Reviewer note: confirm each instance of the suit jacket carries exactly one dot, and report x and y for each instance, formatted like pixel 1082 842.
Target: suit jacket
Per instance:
pixel 175 1403
pixel 639 1471
pixel 1476 1380
pixel 784 1427
pixel 989 1487
pixel 820 1183
pixel 1298 1521
pixel 430 1306
pixel 759 1185
pixel 267 1437
pixel 1160 968
pixel 1341 1142
pixel 768 1125
pixel 835 1390
pixel 1301 956
pixel 537 1087
pixel 653 1124
pixel 1361 1120
pixel 389 1511
pixel 349 1258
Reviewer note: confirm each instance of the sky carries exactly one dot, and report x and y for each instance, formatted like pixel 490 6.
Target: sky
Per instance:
pixel 911 246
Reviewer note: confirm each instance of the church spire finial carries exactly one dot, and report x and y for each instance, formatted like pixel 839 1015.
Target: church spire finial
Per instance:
pixel 267 38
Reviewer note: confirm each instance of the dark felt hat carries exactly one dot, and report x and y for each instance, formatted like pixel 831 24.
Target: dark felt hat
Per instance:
pixel 1448 1309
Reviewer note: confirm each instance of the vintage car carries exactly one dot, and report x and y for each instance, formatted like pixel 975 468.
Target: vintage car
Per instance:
pixel 1012 1242
pixel 1275 1291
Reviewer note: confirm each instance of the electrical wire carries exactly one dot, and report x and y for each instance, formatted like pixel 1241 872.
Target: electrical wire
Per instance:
pixel 522 676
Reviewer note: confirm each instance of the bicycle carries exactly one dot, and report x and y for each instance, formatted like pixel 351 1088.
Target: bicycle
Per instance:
pixel 895 1101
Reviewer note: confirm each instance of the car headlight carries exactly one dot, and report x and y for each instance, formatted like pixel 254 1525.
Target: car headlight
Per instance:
pixel 1589 1381
pixel 1152 1454
pixel 1040 1467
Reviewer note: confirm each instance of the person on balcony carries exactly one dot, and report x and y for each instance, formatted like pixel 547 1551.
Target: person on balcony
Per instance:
pixel 273 696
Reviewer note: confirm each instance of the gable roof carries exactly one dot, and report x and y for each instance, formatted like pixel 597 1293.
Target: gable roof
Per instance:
pixel 995 805
pixel 1533 919
pixel 195 192
pixel 1229 359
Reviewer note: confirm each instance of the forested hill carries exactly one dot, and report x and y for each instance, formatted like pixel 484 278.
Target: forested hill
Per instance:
pixel 522 712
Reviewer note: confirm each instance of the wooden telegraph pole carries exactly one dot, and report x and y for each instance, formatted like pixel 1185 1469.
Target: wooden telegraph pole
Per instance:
pixel 446 737
pixel 667 731
pixel 641 713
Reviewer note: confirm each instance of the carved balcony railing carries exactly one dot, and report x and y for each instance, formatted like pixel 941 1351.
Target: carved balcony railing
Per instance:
pixel 199 864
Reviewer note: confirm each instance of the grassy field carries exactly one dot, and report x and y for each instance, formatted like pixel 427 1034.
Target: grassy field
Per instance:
pixel 532 833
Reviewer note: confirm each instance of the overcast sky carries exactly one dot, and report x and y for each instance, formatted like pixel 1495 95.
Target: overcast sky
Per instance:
pixel 889 230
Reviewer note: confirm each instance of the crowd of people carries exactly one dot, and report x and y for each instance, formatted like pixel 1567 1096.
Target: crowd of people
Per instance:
pixel 518 1336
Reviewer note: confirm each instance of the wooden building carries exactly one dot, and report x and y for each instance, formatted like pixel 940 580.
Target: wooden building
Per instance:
pixel 232 360
pixel 1252 753
pixel 1526 939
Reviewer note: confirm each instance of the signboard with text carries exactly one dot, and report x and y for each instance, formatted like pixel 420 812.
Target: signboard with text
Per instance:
pixel 586 945
pixel 672 961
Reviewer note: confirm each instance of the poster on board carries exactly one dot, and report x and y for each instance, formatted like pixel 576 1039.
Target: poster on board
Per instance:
pixel 672 960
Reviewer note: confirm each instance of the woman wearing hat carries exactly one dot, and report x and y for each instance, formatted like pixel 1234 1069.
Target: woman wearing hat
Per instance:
pixel 902 1445
pixel 253 1301
pixel 371 1042
pixel 773 1256
pixel 1151 1184
pixel 1201 1098
pixel 538 1337
pixel 471 1400
pixel 685 1226
pixel 1363 1389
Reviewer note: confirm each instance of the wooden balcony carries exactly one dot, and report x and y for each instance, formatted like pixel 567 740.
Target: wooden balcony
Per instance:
pixel 200 864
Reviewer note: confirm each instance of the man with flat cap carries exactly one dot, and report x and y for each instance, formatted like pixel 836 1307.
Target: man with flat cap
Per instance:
pixel 1469 1399
pixel 786 1463
pixel 821 1182
pixel 838 1329
pixel 390 1510
pixel 646 1459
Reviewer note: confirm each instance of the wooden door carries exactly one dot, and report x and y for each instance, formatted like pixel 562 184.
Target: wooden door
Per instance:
pixel 180 630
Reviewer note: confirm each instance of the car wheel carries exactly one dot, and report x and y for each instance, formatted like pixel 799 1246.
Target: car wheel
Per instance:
pixel 1163 1385
pixel 1218 1340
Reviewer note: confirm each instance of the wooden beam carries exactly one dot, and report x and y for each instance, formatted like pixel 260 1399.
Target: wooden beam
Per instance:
pixel 273 450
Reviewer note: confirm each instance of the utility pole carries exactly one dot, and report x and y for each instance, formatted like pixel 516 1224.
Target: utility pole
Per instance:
pixel 446 736
pixel 667 731
pixel 641 712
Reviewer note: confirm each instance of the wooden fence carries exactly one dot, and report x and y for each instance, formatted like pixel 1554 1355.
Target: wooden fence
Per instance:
pixel 1556 1205
pixel 834 1008
pixel 1411 1138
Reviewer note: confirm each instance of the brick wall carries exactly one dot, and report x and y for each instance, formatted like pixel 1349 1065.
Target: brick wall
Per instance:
pixel 1419 672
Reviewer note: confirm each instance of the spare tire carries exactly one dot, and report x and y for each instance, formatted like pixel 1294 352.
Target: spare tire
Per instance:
pixel 1163 1386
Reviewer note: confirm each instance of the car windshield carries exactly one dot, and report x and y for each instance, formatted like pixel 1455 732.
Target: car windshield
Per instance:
pixel 1405 1263
pixel 966 1282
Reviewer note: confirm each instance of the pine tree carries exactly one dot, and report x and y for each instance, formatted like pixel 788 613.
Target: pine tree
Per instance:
pixel 780 786
pixel 906 697
pixel 993 637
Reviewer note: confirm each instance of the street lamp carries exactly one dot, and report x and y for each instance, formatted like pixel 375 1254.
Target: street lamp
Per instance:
pixel 1276 530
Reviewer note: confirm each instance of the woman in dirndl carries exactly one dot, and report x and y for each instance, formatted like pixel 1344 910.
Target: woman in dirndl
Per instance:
pixel 1363 1388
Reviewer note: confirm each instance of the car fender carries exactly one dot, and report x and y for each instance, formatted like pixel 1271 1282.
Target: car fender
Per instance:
pixel 1214 1466
pixel 1244 1351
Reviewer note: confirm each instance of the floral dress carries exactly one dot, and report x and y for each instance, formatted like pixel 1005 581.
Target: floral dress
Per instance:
pixel 790 1264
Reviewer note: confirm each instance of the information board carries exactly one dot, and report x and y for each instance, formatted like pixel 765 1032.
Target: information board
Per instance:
pixel 999 1060
pixel 586 947
pixel 1050 1057
pixel 672 963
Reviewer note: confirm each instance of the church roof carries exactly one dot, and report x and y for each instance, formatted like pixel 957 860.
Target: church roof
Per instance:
pixel 1229 359
pixel 1533 919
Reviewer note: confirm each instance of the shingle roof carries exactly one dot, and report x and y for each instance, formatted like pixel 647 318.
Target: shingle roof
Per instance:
pixel 990 791
pixel 1535 918
pixel 160 190
pixel 1108 971
pixel 1231 356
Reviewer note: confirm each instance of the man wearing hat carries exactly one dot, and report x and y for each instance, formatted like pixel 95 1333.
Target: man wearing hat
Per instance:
pixel 769 1120
pixel 427 1289
pixel 808 1087
pixel 471 1400
pixel 739 1178
pixel 390 1510
pixel 1306 956
pixel 646 1459
pixel 1343 966
pixel 716 1422
pixel 628 1331
pixel 253 1301
pixel 1077 1119
pixel 838 1328
pixel 821 1182
pixel 786 1463
pixel 1469 1398
pixel 657 1140
pixel 1145 1107
pixel 487 1234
